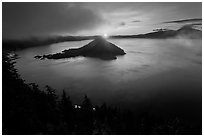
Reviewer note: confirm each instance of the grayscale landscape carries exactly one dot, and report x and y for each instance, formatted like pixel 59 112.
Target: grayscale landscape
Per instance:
pixel 116 68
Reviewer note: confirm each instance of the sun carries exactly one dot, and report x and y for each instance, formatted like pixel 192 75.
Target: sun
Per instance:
pixel 105 35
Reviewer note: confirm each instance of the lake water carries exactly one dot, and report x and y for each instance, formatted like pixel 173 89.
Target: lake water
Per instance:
pixel 154 74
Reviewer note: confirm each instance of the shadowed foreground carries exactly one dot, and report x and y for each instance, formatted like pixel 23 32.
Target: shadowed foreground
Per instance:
pixel 29 110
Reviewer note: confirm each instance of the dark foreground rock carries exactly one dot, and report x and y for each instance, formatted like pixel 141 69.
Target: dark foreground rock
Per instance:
pixel 98 48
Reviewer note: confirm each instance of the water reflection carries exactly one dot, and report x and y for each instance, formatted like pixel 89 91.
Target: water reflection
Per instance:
pixel 152 72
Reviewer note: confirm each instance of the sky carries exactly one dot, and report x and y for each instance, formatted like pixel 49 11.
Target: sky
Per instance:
pixel 24 20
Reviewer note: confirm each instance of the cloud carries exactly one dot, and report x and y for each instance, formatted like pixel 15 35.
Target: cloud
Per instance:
pixel 122 24
pixel 185 20
pixel 135 21
pixel 93 18
pixel 30 19
pixel 196 24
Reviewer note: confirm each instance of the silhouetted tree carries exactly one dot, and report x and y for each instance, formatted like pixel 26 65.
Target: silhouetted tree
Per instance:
pixel 67 113
pixel 28 110
pixel 87 116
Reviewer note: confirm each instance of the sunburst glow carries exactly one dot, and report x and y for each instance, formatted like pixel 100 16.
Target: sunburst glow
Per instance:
pixel 105 35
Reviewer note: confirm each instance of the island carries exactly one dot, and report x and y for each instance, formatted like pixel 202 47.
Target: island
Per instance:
pixel 98 48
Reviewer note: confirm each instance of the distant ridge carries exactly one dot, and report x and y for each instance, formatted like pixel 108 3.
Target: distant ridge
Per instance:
pixel 184 32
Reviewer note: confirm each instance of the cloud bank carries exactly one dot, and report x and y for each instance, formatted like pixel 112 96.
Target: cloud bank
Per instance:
pixel 28 19
pixel 23 20
pixel 185 21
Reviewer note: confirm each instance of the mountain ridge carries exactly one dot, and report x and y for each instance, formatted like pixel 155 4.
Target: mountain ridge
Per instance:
pixel 184 32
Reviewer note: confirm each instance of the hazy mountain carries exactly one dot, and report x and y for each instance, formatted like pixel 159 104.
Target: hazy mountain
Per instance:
pixel 37 41
pixel 98 48
pixel 185 32
pixel 189 32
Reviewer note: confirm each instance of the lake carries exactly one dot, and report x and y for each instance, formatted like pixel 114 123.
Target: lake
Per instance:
pixel 154 75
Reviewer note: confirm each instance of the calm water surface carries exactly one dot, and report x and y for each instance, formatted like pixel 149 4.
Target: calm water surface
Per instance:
pixel 154 74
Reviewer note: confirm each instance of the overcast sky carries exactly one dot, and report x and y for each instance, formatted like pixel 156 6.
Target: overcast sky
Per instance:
pixel 23 20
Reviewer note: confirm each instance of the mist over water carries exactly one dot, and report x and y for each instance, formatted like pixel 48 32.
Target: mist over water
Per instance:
pixel 154 74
